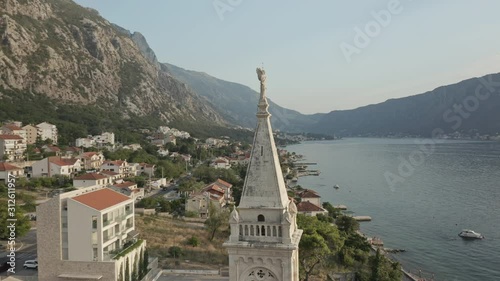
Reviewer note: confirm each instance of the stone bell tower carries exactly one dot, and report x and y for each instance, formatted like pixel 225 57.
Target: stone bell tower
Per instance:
pixel 264 241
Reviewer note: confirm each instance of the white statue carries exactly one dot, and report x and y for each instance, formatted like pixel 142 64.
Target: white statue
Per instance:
pixel 261 74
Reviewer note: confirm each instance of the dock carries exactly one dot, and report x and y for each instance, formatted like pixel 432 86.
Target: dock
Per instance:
pixel 362 218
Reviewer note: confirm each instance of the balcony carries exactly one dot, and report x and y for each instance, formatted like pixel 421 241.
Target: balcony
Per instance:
pixel 127 248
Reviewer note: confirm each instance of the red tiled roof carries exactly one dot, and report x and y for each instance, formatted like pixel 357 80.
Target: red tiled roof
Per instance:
pixel 309 194
pixel 213 188
pixel 53 148
pixel 72 148
pixel 224 183
pixel 12 127
pixel 8 167
pixel 116 162
pixel 124 184
pixel 101 199
pixel 88 154
pixel 10 137
pixel 306 206
pixel 62 161
pixel 90 176
pixel 109 173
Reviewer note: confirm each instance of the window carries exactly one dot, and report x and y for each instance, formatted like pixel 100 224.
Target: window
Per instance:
pixel 261 218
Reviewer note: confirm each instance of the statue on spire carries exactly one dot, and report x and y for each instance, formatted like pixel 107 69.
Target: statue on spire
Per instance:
pixel 261 74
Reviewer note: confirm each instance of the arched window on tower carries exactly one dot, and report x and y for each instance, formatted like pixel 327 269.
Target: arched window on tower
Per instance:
pixel 261 218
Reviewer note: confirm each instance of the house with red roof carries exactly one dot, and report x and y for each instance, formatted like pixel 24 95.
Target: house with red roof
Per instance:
pixel 129 188
pixel 92 160
pixel 221 163
pixel 13 129
pixel 90 179
pixel 12 147
pixel 56 165
pixel 6 169
pixel 87 234
pixel 309 209
pixel 310 196
pixel 117 166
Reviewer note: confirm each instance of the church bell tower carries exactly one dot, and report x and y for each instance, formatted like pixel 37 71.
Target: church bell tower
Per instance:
pixel 264 240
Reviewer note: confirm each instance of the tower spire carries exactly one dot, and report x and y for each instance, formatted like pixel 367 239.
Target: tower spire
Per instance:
pixel 264 185
pixel 264 239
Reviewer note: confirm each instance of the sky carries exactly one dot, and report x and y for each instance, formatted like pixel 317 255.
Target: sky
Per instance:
pixel 321 55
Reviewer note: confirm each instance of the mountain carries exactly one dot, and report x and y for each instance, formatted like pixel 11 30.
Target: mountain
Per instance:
pixel 58 58
pixel 238 103
pixel 462 107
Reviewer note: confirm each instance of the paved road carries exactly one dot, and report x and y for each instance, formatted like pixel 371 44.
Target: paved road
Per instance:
pixel 26 252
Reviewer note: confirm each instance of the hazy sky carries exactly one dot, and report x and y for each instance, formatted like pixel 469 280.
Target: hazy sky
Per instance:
pixel 423 45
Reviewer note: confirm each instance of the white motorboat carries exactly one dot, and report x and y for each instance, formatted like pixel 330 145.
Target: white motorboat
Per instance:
pixel 470 234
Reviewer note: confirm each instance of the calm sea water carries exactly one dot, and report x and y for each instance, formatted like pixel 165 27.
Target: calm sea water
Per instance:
pixel 456 187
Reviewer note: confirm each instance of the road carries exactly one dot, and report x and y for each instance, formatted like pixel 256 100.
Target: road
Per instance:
pixel 27 251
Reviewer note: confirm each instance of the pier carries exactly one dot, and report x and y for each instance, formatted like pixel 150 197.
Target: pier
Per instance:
pixel 362 218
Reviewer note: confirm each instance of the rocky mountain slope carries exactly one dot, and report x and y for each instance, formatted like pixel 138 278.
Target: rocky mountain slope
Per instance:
pixel 70 55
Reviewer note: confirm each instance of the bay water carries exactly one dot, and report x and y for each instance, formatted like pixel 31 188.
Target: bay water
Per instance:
pixel 440 189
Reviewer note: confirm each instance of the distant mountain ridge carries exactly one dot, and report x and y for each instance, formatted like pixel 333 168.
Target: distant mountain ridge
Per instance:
pixel 238 103
pixel 452 108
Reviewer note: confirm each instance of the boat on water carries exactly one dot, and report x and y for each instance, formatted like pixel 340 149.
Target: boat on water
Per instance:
pixel 470 234
pixel 336 186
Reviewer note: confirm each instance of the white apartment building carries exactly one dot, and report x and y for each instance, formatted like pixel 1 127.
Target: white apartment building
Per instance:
pixel 85 142
pixel 12 147
pixel 47 131
pixel 87 234
pixel 97 140
pixel 104 138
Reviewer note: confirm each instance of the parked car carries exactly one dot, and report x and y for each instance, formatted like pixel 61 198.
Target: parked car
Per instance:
pixel 31 264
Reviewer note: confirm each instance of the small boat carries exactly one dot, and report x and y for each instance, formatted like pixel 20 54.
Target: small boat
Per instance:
pixel 336 186
pixel 294 179
pixel 470 234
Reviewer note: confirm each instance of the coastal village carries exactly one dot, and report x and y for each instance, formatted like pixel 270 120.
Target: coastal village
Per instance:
pixel 90 204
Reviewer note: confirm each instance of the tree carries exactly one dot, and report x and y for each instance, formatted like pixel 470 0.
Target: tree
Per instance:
pixel 135 275
pixel 347 224
pixel 318 246
pixel 217 219
pixel 141 262
pixel 127 270
pixel 193 241
pixel 23 224
pixel 145 262
pixel 175 252
pixel 120 275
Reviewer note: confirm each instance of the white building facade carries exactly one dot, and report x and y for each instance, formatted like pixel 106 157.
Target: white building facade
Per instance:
pixel 87 234
pixel 47 131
